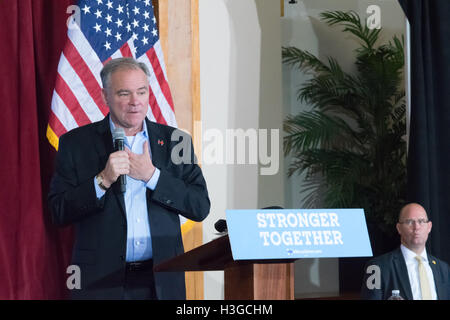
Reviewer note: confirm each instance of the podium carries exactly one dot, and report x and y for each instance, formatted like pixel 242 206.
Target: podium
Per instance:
pixel 244 279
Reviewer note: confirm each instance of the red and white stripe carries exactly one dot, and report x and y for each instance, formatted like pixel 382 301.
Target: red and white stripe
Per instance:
pixel 77 96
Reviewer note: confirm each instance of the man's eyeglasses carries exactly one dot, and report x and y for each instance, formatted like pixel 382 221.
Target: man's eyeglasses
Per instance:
pixel 410 222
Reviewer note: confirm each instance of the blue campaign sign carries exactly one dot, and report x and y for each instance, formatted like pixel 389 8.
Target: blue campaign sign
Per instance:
pixel 298 233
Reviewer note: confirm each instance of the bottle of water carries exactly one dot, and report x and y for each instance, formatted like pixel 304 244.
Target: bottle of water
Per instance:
pixel 395 295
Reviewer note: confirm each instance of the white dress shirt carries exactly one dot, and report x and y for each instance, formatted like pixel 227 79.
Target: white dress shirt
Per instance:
pixel 139 240
pixel 413 272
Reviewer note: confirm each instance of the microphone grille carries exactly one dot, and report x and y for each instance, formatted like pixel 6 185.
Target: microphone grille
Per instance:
pixel 118 134
pixel 221 225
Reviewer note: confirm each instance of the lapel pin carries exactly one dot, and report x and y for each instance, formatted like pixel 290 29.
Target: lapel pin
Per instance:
pixel 434 262
pixel 160 142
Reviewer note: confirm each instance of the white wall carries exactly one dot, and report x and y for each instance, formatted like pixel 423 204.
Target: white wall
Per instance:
pixel 215 56
pixel 240 80
pixel 271 186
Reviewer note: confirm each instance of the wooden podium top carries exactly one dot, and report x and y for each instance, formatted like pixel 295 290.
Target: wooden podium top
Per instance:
pixel 212 256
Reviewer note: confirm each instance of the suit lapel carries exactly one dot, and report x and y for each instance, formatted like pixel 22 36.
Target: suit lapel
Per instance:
pixel 104 147
pixel 400 267
pixel 158 144
pixel 436 275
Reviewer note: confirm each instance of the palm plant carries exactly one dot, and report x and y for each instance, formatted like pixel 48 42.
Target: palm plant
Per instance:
pixel 351 144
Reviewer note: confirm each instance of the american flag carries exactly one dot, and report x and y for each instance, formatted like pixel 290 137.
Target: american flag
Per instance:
pixel 101 30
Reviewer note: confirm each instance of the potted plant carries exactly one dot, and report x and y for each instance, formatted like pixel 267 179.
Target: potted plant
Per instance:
pixel 351 144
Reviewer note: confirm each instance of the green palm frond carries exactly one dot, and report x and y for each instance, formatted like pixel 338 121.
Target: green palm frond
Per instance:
pixel 352 23
pixel 302 60
pixel 314 129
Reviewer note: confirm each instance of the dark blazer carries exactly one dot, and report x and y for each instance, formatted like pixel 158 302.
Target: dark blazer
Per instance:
pixel 101 225
pixel 394 276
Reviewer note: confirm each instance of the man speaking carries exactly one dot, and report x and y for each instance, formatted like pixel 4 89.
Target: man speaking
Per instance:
pixel 125 204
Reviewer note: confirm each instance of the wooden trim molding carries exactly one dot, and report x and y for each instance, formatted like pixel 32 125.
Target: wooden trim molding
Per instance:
pixel 179 36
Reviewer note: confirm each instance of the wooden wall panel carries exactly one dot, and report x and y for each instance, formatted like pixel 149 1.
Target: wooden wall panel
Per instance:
pixel 178 27
pixel 175 32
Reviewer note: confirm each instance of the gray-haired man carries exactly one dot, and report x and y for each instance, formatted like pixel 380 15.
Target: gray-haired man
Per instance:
pixel 120 236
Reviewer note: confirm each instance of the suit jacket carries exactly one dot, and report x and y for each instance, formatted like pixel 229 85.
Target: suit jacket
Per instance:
pixel 394 276
pixel 101 225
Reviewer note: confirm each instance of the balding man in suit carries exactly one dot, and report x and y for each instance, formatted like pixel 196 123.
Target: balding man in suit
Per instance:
pixel 409 269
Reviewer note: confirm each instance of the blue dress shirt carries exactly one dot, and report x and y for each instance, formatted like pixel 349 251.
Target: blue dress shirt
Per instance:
pixel 139 241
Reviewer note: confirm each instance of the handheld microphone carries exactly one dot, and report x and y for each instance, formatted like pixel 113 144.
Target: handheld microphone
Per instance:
pixel 119 145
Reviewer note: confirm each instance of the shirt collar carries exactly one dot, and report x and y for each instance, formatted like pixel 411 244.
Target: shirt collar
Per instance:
pixel 410 255
pixel 144 131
